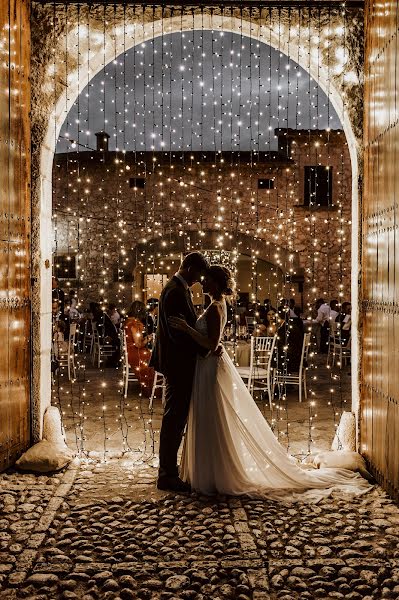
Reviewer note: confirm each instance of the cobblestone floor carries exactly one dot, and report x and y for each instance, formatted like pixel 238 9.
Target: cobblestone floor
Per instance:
pixel 102 530
pixel 130 423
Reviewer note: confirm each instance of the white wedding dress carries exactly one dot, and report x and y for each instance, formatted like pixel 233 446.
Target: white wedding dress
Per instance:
pixel 230 449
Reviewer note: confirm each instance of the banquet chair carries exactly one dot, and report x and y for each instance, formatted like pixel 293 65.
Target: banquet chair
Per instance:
pixel 100 348
pixel 258 374
pixel 127 372
pixel 345 352
pixel 67 359
pixel 336 347
pixel 332 340
pixel 158 384
pixel 280 378
pixel 87 342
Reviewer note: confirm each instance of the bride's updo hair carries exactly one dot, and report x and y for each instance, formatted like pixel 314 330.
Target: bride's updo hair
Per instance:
pixel 224 279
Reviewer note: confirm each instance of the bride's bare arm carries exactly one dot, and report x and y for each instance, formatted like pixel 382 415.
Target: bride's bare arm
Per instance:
pixel 214 323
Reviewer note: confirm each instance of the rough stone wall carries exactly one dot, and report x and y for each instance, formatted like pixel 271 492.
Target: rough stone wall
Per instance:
pixel 329 39
pixel 323 238
pixel 328 42
pixel 111 226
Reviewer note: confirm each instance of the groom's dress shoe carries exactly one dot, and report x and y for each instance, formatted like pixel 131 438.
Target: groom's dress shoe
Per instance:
pixel 173 484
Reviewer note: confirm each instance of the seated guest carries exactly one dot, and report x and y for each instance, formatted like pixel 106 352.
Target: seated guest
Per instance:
pixel 316 306
pixel 58 294
pixel 268 305
pixel 334 310
pixel 326 314
pixel 283 309
pixel 152 315
pixel 291 306
pixel 107 332
pixel 344 322
pixel 266 323
pixel 55 310
pixel 60 345
pixel 272 321
pixel 314 325
pixel 114 315
pixel 71 311
pixel 137 345
pixel 289 343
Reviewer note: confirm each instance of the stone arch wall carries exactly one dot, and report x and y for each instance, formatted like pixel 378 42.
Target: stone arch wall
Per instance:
pixel 331 51
pixel 209 239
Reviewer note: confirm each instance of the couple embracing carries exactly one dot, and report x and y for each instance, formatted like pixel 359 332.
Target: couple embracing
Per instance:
pixel 228 448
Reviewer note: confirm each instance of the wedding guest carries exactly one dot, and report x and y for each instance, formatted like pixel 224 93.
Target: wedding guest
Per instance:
pixel 314 325
pixel 69 297
pixel 267 323
pixel 71 311
pixel 60 345
pixel 114 315
pixel 272 321
pixel 283 309
pixel 344 323
pixel 137 342
pixel 325 314
pixel 152 314
pixel 268 305
pixel 334 310
pixel 316 306
pixel 107 332
pixel 58 294
pixel 289 343
pixel 291 306
pixel 55 309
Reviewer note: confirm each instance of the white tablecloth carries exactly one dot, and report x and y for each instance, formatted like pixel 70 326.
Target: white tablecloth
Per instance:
pixel 240 352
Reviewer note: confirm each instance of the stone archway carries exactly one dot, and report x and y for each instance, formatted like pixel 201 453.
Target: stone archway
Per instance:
pixel 55 91
pixel 287 262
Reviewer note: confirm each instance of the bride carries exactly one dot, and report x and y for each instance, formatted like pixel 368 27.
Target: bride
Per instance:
pixel 229 447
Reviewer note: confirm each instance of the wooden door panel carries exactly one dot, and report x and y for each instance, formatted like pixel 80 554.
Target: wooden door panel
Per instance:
pixel 379 423
pixel 14 231
pixel 4 122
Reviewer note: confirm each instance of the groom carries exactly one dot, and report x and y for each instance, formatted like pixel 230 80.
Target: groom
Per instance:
pixel 174 356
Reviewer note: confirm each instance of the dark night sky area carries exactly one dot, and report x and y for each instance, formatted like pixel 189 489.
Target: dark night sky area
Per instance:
pixel 199 90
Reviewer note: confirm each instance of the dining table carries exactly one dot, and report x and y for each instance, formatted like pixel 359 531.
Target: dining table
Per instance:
pixel 239 352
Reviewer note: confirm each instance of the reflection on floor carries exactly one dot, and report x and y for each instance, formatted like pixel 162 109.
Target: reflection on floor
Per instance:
pixel 100 422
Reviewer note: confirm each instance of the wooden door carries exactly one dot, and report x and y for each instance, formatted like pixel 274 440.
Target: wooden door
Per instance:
pixel 379 426
pixel 14 230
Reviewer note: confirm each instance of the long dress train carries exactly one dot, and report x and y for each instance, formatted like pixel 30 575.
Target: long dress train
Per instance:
pixel 230 449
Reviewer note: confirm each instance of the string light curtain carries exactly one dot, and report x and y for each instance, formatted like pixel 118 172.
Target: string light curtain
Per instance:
pixel 196 127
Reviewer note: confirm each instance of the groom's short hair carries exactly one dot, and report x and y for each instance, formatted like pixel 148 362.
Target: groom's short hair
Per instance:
pixel 195 260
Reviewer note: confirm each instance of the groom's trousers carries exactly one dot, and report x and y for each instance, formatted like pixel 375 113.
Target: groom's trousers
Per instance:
pixel 177 404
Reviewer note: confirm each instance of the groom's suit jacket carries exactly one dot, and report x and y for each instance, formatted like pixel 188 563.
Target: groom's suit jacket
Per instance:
pixel 174 352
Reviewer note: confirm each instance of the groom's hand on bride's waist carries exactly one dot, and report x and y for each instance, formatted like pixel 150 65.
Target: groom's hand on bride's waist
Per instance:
pixel 219 350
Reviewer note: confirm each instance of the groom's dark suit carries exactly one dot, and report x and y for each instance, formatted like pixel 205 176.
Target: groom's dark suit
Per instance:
pixel 174 356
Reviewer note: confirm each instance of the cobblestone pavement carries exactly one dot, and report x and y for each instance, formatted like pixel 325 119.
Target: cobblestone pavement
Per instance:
pixel 130 423
pixel 102 530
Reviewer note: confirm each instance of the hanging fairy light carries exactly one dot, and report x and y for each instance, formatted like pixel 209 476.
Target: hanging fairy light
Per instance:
pixel 196 119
